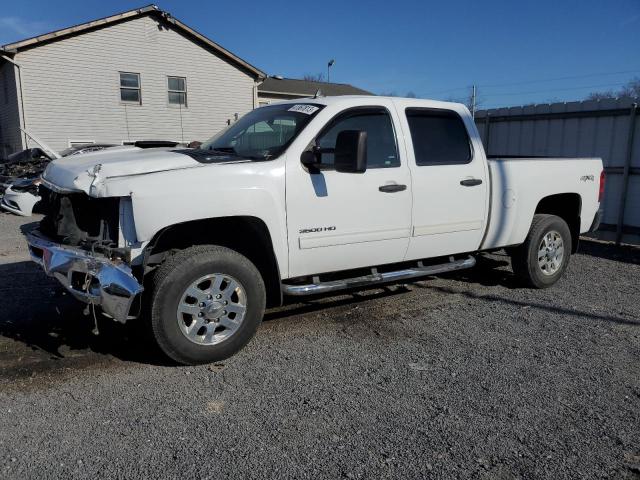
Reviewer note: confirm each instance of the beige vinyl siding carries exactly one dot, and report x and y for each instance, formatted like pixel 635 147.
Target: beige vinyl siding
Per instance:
pixel 10 135
pixel 72 87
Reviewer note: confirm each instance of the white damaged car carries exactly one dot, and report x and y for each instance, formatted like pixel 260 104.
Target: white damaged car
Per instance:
pixel 21 195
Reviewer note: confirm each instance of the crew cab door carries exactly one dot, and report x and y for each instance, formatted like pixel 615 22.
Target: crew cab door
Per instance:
pixel 338 221
pixel 450 180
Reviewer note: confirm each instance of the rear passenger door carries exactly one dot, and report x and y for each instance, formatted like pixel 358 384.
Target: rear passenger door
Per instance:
pixel 449 178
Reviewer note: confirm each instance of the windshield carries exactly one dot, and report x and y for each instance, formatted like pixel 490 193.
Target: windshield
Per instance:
pixel 265 132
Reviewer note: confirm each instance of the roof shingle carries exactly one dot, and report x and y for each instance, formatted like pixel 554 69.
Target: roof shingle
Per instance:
pixel 292 86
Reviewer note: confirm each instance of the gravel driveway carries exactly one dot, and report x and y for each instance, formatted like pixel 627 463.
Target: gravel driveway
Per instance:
pixel 463 376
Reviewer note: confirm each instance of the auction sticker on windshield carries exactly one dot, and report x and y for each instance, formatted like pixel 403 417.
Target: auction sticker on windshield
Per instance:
pixel 308 109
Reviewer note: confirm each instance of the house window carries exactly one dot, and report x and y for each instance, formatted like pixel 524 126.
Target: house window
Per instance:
pixel 130 87
pixel 177 90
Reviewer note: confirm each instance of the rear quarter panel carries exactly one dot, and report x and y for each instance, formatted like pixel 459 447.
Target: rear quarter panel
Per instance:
pixel 518 186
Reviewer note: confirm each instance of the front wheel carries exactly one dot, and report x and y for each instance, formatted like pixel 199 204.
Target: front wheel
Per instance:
pixel 544 256
pixel 207 303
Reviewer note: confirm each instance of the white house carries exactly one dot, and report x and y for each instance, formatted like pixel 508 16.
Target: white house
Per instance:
pixel 137 75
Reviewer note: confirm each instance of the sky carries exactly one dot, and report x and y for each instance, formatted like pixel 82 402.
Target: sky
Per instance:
pixel 515 52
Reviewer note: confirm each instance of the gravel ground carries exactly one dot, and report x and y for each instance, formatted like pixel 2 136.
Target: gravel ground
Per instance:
pixel 462 376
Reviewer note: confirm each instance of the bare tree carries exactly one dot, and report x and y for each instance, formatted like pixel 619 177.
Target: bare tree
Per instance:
pixel 313 77
pixel 601 95
pixel 630 89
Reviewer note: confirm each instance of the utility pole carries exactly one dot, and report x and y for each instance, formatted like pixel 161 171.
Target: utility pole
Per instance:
pixel 473 101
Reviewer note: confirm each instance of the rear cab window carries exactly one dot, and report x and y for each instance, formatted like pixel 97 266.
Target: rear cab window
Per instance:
pixel 439 137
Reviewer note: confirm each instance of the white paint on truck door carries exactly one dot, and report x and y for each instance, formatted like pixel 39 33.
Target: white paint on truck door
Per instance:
pixel 450 184
pixel 338 221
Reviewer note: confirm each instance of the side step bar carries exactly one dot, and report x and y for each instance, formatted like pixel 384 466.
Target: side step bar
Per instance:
pixel 419 271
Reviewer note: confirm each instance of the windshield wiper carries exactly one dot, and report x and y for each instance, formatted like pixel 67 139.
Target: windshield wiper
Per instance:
pixel 232 151
pixel 225 150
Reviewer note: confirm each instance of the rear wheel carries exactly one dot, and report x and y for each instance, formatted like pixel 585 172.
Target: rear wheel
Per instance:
pixel 207 302
pixel 544 256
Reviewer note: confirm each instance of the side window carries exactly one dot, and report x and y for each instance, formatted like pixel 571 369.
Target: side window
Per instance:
pixel 439 137
pixel 382 151
pixel 177 90
pixel 130 87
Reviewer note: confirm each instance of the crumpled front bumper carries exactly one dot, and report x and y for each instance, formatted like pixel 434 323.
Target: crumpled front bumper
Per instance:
pixel 90 279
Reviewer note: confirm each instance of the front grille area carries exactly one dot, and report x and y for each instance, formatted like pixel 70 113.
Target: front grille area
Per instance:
pixel 80 220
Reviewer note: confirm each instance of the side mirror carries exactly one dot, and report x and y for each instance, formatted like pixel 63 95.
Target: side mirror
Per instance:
pixel 350 155
pixel 309 159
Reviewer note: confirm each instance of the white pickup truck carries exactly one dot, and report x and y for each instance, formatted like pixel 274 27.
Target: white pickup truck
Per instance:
pixel 298 198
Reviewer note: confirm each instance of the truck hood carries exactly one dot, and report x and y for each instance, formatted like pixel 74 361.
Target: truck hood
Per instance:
pixel 88 171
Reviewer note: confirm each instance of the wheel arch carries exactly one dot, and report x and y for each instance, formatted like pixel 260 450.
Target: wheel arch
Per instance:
pixel 567 206
pixel 246 235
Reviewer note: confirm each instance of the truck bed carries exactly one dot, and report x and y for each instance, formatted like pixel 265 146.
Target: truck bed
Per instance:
pixel 519 183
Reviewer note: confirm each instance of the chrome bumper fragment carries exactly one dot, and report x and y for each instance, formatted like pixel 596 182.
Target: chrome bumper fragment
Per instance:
pixel 90 279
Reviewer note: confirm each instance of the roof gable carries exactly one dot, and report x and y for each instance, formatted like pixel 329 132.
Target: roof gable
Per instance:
pixel 150 10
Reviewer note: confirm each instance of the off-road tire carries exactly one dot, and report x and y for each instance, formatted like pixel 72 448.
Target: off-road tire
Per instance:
pixel 524 258
pixel 168 284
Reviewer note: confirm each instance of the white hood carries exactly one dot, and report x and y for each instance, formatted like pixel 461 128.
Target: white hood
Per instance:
pixel 80 172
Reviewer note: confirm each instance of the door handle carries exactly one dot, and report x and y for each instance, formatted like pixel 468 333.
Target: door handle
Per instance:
pixel 470 182
pixel 392 187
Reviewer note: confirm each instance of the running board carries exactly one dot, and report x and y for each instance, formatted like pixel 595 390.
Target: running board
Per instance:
pixel 419 271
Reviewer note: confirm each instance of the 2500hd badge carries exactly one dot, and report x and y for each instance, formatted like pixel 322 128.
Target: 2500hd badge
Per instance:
pixel 317 229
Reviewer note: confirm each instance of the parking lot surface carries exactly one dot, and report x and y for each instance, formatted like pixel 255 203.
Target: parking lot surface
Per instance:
pixel 461 376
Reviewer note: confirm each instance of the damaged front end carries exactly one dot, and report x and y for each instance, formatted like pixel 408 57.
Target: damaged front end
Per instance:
pixel 78 243
pixel 29 163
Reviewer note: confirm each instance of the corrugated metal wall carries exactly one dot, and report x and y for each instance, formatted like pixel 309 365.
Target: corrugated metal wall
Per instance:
pixel 579 129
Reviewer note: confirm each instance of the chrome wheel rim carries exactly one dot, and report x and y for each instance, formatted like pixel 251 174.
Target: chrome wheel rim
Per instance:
pixel 212 309
pixel 550 253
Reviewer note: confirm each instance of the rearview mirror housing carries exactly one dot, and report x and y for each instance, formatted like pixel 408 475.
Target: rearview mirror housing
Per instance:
pixel 351 152
pixel 309 158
